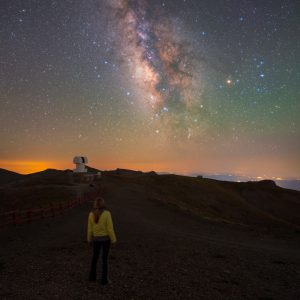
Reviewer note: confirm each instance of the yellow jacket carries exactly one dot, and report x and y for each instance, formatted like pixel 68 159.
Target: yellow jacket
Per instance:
pixel 104 227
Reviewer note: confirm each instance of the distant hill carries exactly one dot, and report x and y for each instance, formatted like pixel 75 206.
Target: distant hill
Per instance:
pixel 252 203
pixel 92 170
pixel 129 172
pixel 9 176
pixel 293 184
pixel 36 189
pixel 46 177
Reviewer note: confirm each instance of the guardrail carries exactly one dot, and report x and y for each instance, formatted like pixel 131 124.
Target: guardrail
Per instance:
pixel 16 217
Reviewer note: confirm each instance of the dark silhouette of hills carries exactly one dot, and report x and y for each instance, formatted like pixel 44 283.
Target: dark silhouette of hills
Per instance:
pixel 291 183
pixel 128 172
pixel 7 176
pixel 258 204
pixel 179 237
pixel 253 203
pixel 92 170
pixel 36 189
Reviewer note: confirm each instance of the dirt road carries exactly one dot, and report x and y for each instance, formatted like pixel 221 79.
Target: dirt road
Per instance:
pixel 162 253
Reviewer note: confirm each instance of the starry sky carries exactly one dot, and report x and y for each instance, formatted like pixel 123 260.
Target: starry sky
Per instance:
pixel 181 86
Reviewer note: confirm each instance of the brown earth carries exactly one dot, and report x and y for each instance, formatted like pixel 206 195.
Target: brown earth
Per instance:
pixel 38 190
pixel 256 204
pixel 178 238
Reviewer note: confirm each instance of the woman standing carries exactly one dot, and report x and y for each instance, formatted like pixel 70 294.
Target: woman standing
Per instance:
pixel 100 234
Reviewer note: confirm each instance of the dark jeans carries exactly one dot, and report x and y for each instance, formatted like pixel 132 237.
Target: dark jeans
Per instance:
pixel 97 245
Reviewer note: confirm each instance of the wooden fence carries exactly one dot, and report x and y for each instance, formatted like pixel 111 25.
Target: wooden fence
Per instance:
pixel 16 217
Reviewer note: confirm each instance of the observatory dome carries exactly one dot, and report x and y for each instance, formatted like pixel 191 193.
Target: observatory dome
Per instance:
pixel 80 162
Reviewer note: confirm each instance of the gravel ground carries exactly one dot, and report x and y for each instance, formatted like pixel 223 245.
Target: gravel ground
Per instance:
pixel 162 253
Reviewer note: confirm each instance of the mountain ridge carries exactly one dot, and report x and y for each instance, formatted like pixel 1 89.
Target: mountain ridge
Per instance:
pixel 254 203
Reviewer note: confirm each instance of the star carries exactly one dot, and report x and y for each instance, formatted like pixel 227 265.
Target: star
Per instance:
pixel 180 72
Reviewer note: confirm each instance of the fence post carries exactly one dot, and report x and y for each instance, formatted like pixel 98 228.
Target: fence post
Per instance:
pixel 27 216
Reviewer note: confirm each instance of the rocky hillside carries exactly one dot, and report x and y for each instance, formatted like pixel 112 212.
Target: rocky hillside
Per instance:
pixel 258 204
pixel 9 176
pixel 251 204
pixel 37 190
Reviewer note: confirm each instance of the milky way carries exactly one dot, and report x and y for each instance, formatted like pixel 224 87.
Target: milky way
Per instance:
pixel 183 86
pixel 160 62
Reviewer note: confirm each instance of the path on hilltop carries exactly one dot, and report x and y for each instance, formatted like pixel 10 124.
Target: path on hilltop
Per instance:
pixel 161 253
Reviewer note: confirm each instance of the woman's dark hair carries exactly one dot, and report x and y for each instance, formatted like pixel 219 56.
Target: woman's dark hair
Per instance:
pixel 99 206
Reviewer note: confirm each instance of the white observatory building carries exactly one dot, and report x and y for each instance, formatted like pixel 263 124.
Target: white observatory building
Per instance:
pixel 80 162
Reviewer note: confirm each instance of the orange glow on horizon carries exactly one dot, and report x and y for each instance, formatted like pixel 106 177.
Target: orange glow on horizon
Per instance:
pixel 27 167
pixel 31 166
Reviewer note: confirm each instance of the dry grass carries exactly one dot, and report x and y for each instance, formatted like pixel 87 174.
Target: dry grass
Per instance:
pixel 252 203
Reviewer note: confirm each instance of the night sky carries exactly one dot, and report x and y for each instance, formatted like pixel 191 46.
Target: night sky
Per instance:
pixel 176 86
